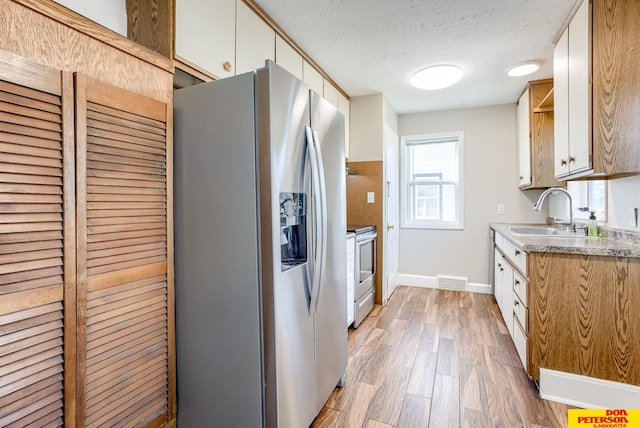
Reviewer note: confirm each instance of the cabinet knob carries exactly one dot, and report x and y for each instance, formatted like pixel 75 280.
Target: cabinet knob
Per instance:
pixel 572 158
pixel 521 178
pixel 517 252
pixel 516 303
pixel 501 269
pixel 517 282
pixel 227 66
pixel 563 162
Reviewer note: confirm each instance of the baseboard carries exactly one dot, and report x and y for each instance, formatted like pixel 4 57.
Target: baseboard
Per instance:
pixel 587 392
pixel 418 281
pixel 424 281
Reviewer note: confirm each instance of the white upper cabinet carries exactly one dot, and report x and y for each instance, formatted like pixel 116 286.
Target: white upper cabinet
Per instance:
pixel 344 108
pixel 580 90
pixel 255 40
pixel 524 140
pixel 206 35
pixel 288 58
pixel 330 93
pixel 561 105
pixel 572 96
pixel 598 134
pixel 313 78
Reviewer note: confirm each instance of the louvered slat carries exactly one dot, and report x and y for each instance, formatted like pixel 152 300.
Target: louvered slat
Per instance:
pixel 124 231
pixel 31 247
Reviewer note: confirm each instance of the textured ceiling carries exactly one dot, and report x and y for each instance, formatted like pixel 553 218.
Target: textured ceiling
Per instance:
pixel 373 46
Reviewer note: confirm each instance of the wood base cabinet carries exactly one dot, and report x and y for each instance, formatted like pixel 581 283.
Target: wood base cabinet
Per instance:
pixel 86 255
pixel 584 316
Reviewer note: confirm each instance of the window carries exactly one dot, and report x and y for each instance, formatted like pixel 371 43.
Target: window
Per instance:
pixel 591 194
pixel 432 181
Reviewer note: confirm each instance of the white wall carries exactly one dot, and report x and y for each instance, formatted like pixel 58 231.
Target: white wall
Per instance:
pixel 366 115
pixel 108 13
pixel 490 178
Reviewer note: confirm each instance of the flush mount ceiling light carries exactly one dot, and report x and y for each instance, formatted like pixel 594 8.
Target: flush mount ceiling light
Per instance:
pixel 436 77
pixel 523 69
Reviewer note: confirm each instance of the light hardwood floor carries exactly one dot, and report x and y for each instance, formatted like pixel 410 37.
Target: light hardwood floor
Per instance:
pixel 439 359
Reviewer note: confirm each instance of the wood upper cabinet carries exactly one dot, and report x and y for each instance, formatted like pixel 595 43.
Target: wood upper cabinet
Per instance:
pixel 37 248
pixel 255 40
pixel 535 127
pixel 205 35
pixel 596 69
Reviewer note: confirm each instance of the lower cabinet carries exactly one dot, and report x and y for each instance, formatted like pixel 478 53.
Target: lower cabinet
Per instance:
pixel 511 292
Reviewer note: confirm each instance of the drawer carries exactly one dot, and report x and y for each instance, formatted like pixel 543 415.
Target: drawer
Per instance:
pixel 520 287
pixel 515 254
pixel 363 306
pixel 521 341
pixel 520 312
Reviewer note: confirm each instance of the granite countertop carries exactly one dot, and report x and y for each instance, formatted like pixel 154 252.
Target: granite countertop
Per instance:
pixel 588 245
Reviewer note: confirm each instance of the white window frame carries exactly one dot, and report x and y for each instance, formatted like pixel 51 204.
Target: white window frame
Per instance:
pixel 407 222
pixel 580 193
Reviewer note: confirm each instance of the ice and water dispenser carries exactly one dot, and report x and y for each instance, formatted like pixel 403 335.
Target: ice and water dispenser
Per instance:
pixel 293 229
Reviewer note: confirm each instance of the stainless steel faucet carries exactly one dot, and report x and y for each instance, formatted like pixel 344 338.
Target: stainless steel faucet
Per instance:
pixel 553 191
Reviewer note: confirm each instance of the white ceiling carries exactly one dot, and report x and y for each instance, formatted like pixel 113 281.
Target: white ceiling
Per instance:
pixel 373 46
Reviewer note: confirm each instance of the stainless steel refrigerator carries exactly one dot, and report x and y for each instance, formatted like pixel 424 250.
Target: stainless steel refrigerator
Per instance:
pixel 260 251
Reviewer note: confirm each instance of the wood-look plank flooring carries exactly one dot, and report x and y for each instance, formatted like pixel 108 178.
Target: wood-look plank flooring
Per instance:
pixel 439 359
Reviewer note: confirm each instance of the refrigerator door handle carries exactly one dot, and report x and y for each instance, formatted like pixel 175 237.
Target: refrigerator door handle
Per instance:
pixel 316 232
pixel 323 216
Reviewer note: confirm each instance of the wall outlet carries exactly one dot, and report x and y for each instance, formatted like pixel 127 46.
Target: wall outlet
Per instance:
pixel 371 197
pixel 500 209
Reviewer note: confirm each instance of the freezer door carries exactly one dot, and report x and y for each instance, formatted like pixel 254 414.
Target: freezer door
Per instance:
pixel 283 113
pixel 218 329
pixel 331 313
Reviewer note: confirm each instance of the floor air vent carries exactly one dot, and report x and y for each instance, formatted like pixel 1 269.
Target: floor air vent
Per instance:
pixel 452 282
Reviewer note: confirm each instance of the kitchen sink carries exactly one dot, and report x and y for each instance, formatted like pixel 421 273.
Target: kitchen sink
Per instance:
pixel 541 230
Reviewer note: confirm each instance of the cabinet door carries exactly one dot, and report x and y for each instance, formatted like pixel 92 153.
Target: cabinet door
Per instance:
pixel 524 140
pixel 206 34
pixel 37 246
pixel 498 277
pixel 313 78
pixel 288 58
pixel 344 108
pixel 507 296
pixel 561 105
pixel 125 283
pixel 330 93
pixel 255 40
pixel 580 89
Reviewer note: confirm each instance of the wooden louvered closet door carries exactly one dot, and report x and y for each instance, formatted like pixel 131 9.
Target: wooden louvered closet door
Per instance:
pixel 123 291
pixel 37 239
